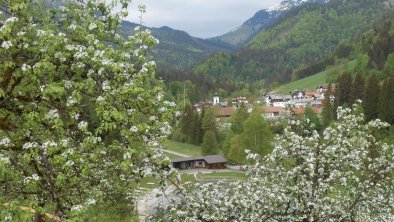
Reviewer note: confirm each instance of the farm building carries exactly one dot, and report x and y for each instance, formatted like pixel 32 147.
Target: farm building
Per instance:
pixel 203 162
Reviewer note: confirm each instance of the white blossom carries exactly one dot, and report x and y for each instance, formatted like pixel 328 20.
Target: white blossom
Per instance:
pixel 72 27
pixel 82 125
pixel 25 67
pixel 134 129
pixel 21 33
pixel 29 145
pixel 5 142
pixel 11 20
pixel 8 217
pixel 308 176
pixel 76 208
pixel 68 84
pixel 76 116
pixel 162 109
pixel 52 114
pixel 70 47
pixel 92 26
pixel 6 44
pixel 40 32
pixel 100 99
pixel 91 201
pixel 106 86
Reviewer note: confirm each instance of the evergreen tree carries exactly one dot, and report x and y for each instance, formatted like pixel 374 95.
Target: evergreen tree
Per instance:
pixel 175 89
pixel 383 107
pixel 344 89
pixel 371 98
pixel 386 102
pixel 209 121
pixel 358 89
pixel 329 107
pixel 201 133
pixel 226 147
pixel 195 129
pixel 389 65
pixel 238 119
pixel 209 145
pixel 187 121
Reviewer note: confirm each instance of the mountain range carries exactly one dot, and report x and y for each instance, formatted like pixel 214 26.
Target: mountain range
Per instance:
pixel 276 44
pixel 260 21
pixel 179 50
pixel 300 37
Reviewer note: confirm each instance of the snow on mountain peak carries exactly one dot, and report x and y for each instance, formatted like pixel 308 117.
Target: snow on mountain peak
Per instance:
pixel 288 4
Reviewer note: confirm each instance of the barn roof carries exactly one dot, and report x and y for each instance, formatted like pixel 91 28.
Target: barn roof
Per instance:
pixel 209 159
pixel 185 159
pixel 215 159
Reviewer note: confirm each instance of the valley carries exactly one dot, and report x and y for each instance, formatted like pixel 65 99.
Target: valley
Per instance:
pixel 287 117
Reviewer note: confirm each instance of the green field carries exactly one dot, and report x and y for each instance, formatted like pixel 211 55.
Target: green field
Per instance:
pixel 311 82
pixel 172 156
pixel 308 83
pixel 184 148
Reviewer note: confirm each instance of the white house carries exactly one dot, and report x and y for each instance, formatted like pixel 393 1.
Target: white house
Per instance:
pixel 278 100
pixel 216 99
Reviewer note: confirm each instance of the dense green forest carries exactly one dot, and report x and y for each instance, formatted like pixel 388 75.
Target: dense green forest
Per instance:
pixel 371 52
pixel 304 36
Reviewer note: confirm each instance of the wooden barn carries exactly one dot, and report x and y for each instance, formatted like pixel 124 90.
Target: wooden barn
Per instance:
pixel 203 162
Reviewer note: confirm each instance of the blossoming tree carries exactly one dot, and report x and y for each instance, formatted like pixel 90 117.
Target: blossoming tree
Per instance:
pixel 78 106
pixel 343 174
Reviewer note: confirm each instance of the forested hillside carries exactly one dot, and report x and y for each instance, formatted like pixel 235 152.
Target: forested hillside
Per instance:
pixel 177 49
pixel 260 21
pixel 304 36
pixel 371 52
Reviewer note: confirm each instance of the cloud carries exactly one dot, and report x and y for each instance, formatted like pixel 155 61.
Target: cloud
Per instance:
pixel 201 18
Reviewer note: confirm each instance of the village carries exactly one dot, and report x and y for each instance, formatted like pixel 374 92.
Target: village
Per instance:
pixel 276 107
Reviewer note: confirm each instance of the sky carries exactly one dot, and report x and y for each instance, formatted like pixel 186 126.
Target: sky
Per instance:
pixel 200 18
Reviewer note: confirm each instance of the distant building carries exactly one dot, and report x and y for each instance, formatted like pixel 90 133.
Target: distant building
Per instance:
pixel 224 112
pixel 202 105
pixel 203 162
pixel 301 110
pixel 272 112
pixel 298 94
pixel 278 100
pixel 216 99
pixel 239 101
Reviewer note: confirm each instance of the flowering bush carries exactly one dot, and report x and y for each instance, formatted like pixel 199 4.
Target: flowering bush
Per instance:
pixel 78 106
pixel 343 174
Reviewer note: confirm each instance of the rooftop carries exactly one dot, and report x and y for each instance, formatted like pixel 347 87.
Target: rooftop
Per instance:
pixel 209 159
pixel 225 111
